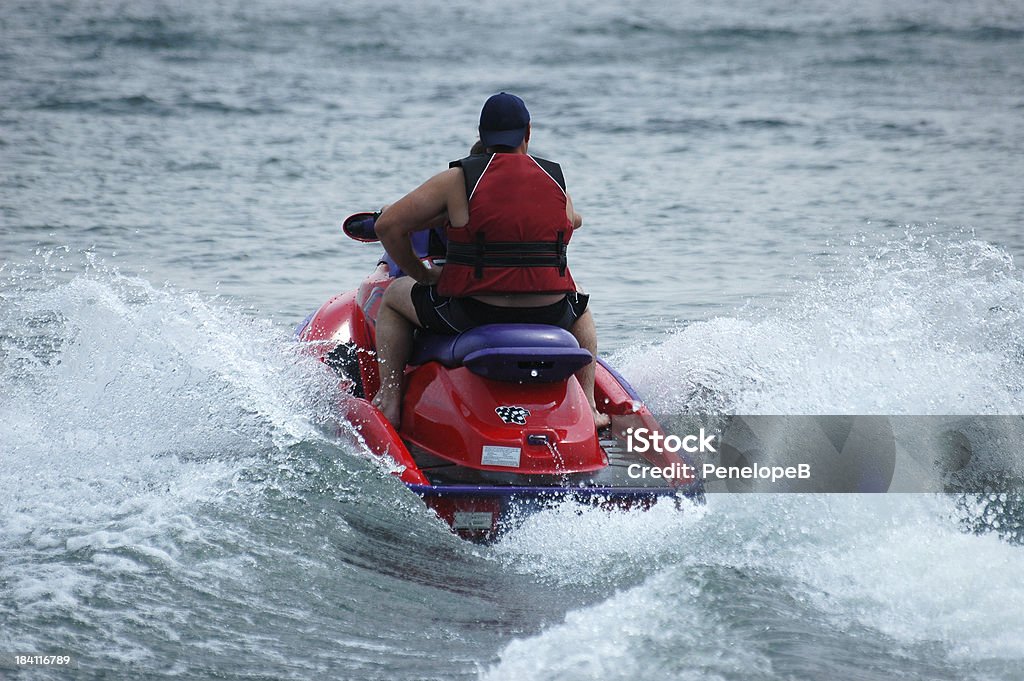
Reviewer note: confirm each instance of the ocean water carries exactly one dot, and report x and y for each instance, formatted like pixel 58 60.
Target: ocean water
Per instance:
pixel 790 208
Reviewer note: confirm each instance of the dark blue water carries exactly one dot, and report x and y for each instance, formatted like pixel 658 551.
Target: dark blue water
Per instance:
pixel 790 208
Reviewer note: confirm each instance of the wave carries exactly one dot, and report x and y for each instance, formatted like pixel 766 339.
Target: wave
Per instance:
pixel 793 585
pixel 912 325
pixel 626 27
pixel 128 104
pixel 120 399
pixel 880 128
pixel 983 33
pixel 149 33
pixel 175 37
pixel 145 105
pixel 724 34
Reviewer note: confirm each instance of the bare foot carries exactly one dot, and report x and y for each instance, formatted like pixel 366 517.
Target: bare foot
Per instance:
pixel 390 406
pixel 601 420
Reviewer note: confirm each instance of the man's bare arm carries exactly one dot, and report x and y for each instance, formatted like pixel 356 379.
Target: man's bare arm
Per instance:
pixel 570 212
pixel 414 211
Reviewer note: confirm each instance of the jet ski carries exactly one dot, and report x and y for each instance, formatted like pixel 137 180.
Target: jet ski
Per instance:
pixel 495 425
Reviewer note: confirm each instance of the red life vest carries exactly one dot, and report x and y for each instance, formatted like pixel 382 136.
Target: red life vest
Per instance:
pixel 516 237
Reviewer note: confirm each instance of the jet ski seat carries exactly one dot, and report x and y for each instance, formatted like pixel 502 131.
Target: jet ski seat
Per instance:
pixel 517 353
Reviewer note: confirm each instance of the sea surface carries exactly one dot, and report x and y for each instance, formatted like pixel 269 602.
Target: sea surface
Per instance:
pixel 790 207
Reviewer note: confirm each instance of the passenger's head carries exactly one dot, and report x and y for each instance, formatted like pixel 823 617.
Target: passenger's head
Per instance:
pixel 504 122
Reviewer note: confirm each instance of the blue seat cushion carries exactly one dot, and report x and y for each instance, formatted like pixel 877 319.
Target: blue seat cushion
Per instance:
pixel 521 353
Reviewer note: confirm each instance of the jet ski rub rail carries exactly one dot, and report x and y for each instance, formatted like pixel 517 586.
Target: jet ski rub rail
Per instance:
pixel 637 493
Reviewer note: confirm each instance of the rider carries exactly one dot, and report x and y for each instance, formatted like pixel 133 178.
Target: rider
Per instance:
pixel 524 279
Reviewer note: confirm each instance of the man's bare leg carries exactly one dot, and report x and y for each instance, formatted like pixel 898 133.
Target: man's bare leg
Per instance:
pixel 586 335
pixel 395 327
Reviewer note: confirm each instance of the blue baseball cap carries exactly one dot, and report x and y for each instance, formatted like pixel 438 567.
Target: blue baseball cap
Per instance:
pixel 503 121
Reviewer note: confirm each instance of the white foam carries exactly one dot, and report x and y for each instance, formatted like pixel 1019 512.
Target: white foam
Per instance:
pixel 124 408
pixel 573 544
pixel 915 325
pixel 897 564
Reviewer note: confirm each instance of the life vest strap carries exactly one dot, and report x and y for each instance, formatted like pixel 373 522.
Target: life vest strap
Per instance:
pixel 482 253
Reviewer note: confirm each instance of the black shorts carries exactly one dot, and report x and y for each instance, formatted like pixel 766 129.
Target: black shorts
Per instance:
pixel 444 314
